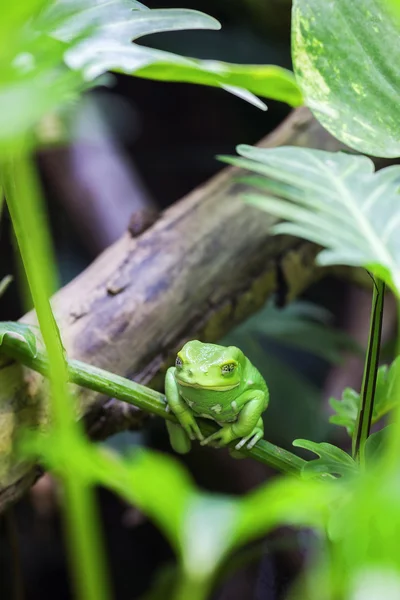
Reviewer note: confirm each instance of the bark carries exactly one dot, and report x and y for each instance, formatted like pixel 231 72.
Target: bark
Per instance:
pixel 204 266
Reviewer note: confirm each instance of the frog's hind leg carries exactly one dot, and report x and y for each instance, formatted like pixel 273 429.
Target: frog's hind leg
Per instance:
pixel 178 438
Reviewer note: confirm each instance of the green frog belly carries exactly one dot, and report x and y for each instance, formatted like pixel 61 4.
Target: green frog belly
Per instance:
pixel 219 406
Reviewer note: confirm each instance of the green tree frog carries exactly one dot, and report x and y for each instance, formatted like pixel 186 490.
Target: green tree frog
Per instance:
pixel 218 383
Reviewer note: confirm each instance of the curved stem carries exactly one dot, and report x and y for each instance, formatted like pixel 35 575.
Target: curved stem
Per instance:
pixel 145 398
pixel 364 417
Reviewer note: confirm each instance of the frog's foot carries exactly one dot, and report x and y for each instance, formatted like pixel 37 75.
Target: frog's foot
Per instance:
pixel 220 438
pixel 251 440
pixel 190 426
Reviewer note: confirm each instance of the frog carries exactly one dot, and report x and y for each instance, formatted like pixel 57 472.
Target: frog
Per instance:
pixel 215 382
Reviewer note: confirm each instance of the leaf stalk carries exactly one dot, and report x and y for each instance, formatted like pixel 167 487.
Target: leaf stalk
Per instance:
pixel 364 416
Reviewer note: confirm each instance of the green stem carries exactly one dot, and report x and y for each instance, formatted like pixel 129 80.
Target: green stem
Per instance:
pixel 390 457
pixel 85 556
pixel 115 386
pixel 31 230
pixel 364 417
pixel 397 344
pixel 190 588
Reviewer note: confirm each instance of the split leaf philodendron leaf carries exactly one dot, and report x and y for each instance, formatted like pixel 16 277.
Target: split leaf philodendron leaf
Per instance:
pixel 52 51
pixel 109 47
pixel 332 460
pixel 333 199
pixel 386 398
pixel 346 57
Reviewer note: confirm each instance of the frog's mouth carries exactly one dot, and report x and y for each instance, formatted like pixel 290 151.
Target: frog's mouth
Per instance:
pixel 213 388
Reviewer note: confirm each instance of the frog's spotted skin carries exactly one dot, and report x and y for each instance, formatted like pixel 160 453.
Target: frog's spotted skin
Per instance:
pixel 218 383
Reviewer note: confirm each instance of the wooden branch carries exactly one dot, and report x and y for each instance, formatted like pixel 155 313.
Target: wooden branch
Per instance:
pixel 203 267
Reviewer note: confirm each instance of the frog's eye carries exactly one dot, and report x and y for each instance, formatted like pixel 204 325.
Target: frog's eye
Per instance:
pixel 228 368
pixel 178 362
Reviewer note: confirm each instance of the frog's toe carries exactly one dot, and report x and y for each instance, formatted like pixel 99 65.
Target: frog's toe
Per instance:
pixel 242 442
pixel 256 438
pixel 252 439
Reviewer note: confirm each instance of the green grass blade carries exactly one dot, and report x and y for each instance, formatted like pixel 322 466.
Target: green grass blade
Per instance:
pixel 32 233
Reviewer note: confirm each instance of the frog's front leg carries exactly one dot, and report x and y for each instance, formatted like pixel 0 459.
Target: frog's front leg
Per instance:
pixel 187 427
pixel 248 426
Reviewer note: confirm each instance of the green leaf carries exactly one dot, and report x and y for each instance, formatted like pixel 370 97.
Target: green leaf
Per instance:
pixel 346 410
pixel 387 383
pixel 376 443
pixel 335 200
pixel 33 77
pixel 110 47
pixel 386 398
pixel 394 7
pixel 284 501
pixel 346 61
pixel 332 460
pixel 21 332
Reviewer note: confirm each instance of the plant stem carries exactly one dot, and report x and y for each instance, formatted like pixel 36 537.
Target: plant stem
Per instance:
pixel 31 230
pixel 146 399
pixel 190 588
pixel 397 344
pixel 364 417
pixel 390 457
pixel 85 556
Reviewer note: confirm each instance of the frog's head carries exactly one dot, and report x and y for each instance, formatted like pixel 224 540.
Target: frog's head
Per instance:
pixel 209 366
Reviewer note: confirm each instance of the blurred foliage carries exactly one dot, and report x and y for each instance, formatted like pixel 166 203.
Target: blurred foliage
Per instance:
pixel 202 528
pixel 52 51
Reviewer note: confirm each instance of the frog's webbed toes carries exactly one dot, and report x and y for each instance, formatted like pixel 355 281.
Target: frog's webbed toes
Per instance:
pixel 251 439
pixel 219 439
pixel 211 440
pixel 256 438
